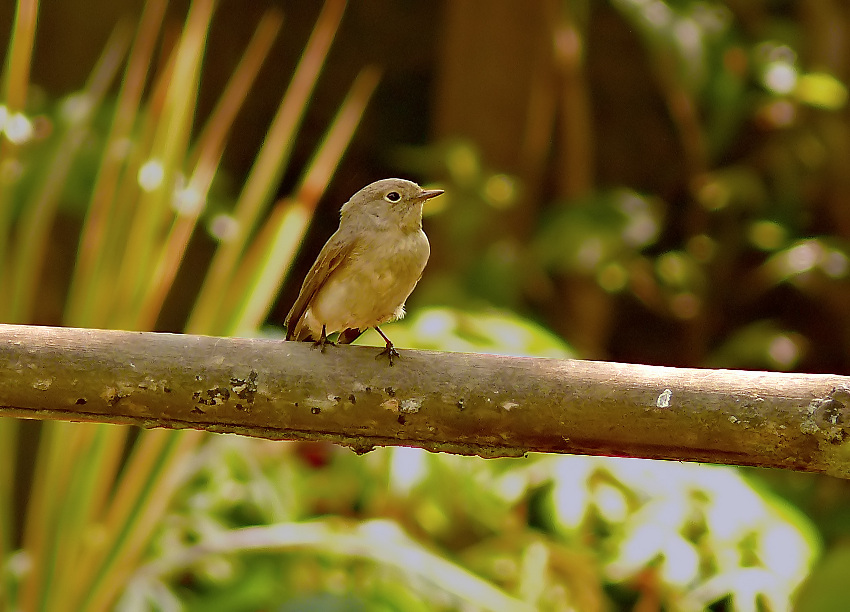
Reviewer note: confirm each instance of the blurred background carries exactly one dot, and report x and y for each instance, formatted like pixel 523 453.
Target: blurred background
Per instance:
pixel 630 180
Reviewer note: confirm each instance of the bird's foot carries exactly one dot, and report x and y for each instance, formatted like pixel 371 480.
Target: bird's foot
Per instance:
pixel 323 341
pixel 389 351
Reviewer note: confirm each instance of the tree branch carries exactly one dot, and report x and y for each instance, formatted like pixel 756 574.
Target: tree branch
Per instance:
pixel 462 403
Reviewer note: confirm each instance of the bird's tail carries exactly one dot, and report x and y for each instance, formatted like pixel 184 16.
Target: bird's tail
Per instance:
pixel 301 333
pixel 348 336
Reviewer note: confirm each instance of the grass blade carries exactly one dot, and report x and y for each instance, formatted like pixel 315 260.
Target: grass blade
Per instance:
pixel 270 256
pixel 80 309
pixel 97 463
pixel 127 201
pixel 49 486
pixel 16 76
pixel 167 155
pixel 144 491
pixel 267 169
pixel 8 461
pixel 207 156
pixel 38 214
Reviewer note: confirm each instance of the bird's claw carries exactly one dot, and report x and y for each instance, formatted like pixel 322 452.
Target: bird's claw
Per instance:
pixel 323 341
pixel 321 344
pixel 389 351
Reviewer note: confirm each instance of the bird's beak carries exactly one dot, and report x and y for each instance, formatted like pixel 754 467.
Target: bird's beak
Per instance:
pixel 427 194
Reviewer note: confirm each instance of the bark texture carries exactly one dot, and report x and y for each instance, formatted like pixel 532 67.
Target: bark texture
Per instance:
pixel 485 405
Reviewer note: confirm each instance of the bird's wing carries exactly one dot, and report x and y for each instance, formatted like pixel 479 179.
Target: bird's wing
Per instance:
pixel 335 251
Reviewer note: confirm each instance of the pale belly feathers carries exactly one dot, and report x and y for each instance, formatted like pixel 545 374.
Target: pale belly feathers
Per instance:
pixel 367 291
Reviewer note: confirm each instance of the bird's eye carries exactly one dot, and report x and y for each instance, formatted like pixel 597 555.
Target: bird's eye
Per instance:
pixel 393 196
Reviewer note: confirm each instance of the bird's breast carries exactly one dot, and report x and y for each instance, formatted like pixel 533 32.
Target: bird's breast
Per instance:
pixel 371 286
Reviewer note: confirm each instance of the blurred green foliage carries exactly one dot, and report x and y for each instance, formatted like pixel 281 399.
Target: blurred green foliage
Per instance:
pixel 561 532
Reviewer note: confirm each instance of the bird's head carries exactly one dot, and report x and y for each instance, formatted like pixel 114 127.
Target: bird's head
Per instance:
pixel 388 202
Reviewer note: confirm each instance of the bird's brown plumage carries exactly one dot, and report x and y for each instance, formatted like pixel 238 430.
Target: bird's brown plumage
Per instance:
pixel 330 257
pixel 369 266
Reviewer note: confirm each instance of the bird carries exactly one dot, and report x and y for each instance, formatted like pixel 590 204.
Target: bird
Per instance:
pixel 367 269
